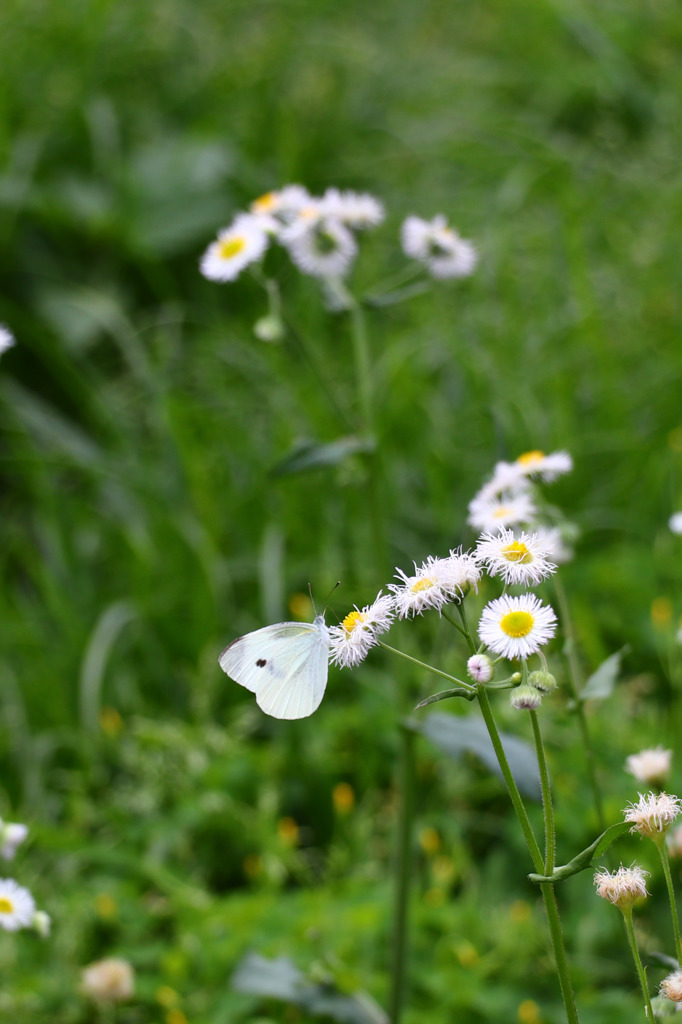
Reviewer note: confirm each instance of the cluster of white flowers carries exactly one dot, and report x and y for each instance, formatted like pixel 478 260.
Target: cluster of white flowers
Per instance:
pixel 318 232
pixel 507 500
pixel 17 906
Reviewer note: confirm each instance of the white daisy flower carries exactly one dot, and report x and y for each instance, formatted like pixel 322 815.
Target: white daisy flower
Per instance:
pixel 351 641
pixel 675 522
pixel 557 540
pixel 242 243
pixel 650 766
pixel 281 206
pixel 480 668
pixel 488 514
pixel 622 888
pixel 516 627
pixel 358 210
pixel 438 247
pixel 7 339
pixel 653 814
pixel 322 247
pixel 523 559
pixel 12 835
pixel 545 467
pixel 17 906
pixel 437 582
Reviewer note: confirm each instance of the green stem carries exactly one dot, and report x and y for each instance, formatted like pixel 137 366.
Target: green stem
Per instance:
pixel 519 806
pixel 548 893
pixel 457 626
pixel 465 627
pixel 627 917
pixel 575 686
pixel 663 854
pixel 363 372
pixel 429 668
pixel 547 803
pixel 402 878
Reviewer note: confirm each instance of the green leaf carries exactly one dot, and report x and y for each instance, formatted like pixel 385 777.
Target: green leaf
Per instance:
pixel 456 736
pixel 585 857
pixel 601 683
pixel 312 455
pixel 457 691
pixel 280 979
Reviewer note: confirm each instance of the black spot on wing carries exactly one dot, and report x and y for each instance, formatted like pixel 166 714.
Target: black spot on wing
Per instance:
pixel 261 662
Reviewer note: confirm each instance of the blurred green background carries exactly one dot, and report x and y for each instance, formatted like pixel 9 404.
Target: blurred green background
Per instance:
pixel 143 527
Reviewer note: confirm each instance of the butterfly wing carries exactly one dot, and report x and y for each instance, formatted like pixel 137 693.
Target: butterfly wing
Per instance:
pixel 285 665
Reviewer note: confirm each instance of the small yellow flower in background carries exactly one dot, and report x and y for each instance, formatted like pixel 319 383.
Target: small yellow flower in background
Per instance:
pixel 110 721
pixel 300 606
pixel 109 981
pixel 622 888
pixel 429 840
pixel 651 766
pixel 106 906
pixel 466 954
pixel 343 797
pixel 528 1012
pixel 661 612
pixel 653 814
pixel 671 987
pixel 520 912
pixel 288 831
pixel 167 996
pixel 253 865
pixel 175 1017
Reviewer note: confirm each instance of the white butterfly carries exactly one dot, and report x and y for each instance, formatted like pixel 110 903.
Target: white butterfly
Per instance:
pixel 285 665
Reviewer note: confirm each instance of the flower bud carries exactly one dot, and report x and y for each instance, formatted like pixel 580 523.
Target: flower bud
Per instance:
pixel 542 680
pixel 42 923
pixel 109 981
pixel 480 668
pixel 269 328
pixel 525 698
pixel 671 987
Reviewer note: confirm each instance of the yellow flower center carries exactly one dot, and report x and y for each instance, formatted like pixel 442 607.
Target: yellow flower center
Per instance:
pixel 6 906
pixel 231 247
pixel 517 624
pixel 517 552
pixel 264 203
pixel 352 620
pixel 422 584
pixel 530 458
pixel 501 511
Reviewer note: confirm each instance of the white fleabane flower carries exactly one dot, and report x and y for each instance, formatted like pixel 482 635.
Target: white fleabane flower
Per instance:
pixel 653 814
pixel 109 981
pixel 7 339
pixel 17 906
pixel 435 583
pixel 516 627
pixel 489 514
pixel 283 205
pixel 675 522
pixel 242 243
pixel 351 641
pixel 322 247
pixel 523 559
pixel 622 888
pixel 12 835
pixel 358 210
pixel 545 467
pixel 438 247
pixel 650 766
